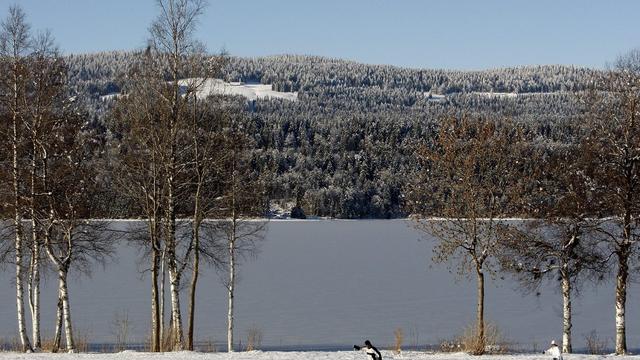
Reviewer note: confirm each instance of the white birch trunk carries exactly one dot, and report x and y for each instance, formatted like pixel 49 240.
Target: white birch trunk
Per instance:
pixel 19 241
pixel 621 298
pixel 34 286
pixel 176 316
pixel 22 329
pixel 34 273
pixel 162 302
pixel 66 311
pixel 566 312
pixel 232 259
pixel 231 292
pixel 58 332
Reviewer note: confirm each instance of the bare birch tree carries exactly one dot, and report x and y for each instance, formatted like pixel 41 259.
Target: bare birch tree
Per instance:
pixel 238 205
pixel 72 241
pixel 14 48
pixel 155 121
pixel 613 145
pixel 562 243
pixel 206 159
pixel 172 41
pixel 469 172
pixel 45 103
pixel 139 170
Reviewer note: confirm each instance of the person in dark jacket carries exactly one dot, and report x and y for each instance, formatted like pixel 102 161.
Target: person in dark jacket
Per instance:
pixel 370 350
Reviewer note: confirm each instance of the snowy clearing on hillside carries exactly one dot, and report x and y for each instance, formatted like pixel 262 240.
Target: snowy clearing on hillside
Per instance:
pixel 260 355
pixel 440 98
pixel 220 87
pixel 434 97
pixel 496 94
pixel 109 97
pixel 512 94
pixel 248 90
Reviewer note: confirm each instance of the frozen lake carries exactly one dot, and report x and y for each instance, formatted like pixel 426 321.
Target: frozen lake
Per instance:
pixel 332 283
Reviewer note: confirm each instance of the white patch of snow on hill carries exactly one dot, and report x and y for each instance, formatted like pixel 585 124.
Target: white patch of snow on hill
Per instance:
pixel 248 90
pixel 111 96
pixel 497 94
pixel 512 94
pixel 434 97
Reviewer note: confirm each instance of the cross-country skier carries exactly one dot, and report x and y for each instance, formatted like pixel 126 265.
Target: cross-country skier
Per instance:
pixel 370 350
pixel 554 351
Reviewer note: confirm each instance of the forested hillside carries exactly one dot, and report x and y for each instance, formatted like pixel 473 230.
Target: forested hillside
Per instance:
pixel 344 148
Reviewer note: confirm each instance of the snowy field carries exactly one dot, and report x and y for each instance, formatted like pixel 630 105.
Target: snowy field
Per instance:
pixel 248 90
pixel 219 87
pixel 259 355
pixel 329 284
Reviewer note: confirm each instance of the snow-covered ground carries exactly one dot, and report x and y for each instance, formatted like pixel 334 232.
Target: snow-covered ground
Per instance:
pixel 248 90
pixel 260 355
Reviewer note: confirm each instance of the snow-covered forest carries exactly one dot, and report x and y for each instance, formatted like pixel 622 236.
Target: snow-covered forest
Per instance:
pixel 134 135
pixel 330 151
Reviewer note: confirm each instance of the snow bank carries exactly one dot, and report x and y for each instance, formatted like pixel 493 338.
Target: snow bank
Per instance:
pixel 259 355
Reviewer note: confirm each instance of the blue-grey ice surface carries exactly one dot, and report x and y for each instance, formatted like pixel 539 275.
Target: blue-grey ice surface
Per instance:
pixel 332 282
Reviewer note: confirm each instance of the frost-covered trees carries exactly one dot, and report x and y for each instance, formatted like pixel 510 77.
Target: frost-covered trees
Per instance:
pixel 337 149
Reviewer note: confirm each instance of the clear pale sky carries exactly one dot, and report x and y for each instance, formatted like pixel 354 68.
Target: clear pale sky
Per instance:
pixel 458 34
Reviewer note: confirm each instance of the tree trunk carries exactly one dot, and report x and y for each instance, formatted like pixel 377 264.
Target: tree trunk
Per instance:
pixel 58 334
pixel 155 310
pixel 621 299
pixel 480 312
pixel 174 275
pixel 19 241
pixel 176 316
pixel 566 310
pixel 22 330
pixel 34 287
pixel 232 284
pixel 232 255
pixel 34 273
pixel 66 311
pixel 162 302
pixel 196 233
pixel 194 279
